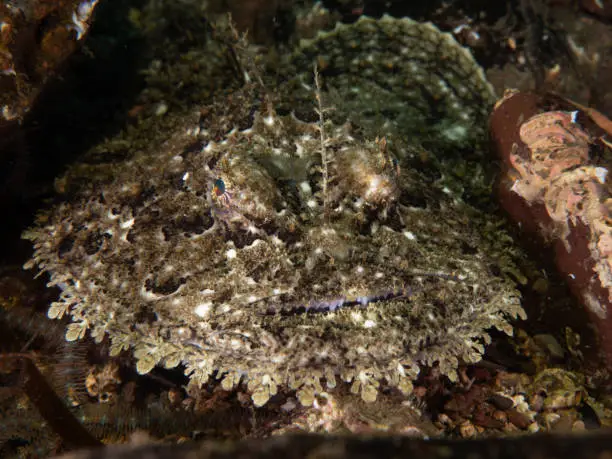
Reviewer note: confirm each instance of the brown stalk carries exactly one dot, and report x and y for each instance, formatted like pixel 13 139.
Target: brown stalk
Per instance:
pixel 50 406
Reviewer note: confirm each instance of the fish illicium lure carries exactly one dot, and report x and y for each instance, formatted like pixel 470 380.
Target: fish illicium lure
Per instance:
pixel 289 253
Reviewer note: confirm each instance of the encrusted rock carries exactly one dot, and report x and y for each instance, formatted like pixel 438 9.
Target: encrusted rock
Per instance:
pixel 287 252
pixel 554 186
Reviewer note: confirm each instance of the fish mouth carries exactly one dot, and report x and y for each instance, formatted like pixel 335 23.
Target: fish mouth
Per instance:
pixel 340 303
pixel 358 302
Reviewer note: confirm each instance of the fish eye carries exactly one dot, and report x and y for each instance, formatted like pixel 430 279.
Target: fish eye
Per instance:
pixel 219 187
pixel 220 193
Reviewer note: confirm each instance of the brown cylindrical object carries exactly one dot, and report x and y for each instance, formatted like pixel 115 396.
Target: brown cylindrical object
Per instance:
pixel 550 187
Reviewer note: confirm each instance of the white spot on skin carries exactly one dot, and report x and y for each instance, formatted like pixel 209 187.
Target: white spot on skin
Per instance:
pixel 305 187
pixel 276 240
pixel 373 185
pixel 161 109
pixel 231 254
pixel 149 296
pixel 409 235
pixel 203 309
pixel 195 131
pixel 457 131
pixel 127 224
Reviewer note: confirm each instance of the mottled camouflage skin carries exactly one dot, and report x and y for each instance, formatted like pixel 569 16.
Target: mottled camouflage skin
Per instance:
pixel 246 257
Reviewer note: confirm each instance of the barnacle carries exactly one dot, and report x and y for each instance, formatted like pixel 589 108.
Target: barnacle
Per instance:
pixel 234 257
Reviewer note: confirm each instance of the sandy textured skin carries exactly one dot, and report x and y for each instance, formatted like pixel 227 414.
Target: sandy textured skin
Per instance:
pixel 284 253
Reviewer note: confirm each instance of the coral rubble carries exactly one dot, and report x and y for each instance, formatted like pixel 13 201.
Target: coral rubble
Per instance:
pixel 259 247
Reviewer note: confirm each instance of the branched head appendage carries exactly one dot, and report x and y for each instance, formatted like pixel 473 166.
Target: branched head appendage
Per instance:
pixel 323 138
